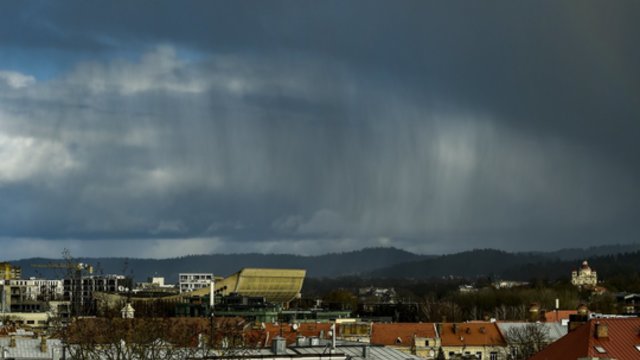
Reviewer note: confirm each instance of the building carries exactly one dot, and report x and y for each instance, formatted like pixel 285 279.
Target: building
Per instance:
pixel 193 281
pixel 612 338
pixel 585 276
pixel 480 339
pixel 30 295
pixel 628 303
pixel 419 339
pixel 355 331
pixel 79 291
pixel 9 272
pixel 559 316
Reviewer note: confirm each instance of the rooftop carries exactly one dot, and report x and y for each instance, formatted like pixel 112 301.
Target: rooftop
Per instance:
pixel 400 333
pixel 471 334
pixel 622 341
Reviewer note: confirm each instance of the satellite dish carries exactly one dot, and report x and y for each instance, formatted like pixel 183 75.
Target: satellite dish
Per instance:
pixel 295 327
pixel 120 288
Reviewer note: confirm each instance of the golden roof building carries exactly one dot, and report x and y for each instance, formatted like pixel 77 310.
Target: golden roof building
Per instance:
pixel 275 285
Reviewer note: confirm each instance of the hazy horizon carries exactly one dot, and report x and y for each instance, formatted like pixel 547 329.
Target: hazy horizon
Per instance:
pixel 177 255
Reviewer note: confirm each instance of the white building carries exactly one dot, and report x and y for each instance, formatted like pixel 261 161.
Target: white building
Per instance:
pixel 584 276
pixel 15 293
pixel 194 281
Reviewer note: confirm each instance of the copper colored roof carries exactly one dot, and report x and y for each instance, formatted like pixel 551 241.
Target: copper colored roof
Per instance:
pixel 582 342
pixel 401 333
pixel 471 334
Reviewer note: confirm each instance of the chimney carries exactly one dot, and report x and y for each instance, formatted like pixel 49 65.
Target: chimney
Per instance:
pixel 279 345
pixel 12 341
pixel 366 352
pixel 455 328
pixel 314 341
pixel 43 344
pixel 301 341
pixel 602 331
pixel 439 329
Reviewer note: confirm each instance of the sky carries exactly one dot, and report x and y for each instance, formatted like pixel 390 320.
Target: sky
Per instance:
pixel 160 129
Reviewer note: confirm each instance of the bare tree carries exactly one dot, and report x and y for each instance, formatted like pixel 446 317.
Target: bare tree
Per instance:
pixel 524 341
pixel 153 338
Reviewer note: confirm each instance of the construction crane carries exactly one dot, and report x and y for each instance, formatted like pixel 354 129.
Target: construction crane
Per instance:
pixel 67 266
pixel 73 284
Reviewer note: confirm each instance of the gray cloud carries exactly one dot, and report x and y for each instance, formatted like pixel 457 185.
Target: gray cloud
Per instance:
pixel 428 135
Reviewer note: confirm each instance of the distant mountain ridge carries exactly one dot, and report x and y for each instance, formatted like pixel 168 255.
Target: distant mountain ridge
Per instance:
pixel 515 266
pixel 327 265
pixel 386 262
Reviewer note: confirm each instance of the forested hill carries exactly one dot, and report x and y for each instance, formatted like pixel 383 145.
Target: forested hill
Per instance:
pixel 373 262
pixel 512 266
pixel 328 265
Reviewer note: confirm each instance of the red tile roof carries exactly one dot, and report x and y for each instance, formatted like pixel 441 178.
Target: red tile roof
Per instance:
pixel 471 334
pixel 400 333
pixel 550 316
pixel 624 336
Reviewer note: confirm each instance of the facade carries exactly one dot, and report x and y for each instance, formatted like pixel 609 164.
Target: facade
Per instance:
pixel 629 303
pixel 28 295
pixel 585 276
pixel 194 281
pixel 79 291
pixel 9 272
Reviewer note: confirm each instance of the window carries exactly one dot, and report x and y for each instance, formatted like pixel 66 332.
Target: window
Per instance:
pixel 600 349
pixel 493 355
pixel 479 355
pixel 638 347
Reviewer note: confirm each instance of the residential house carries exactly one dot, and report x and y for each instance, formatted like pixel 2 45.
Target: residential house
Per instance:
pixel 411 338
pixel 608 338
pixel 479 340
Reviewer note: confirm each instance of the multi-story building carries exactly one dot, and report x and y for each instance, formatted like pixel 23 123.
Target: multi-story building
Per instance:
pixel 194 281
pixel 30 295
pixel 585 276
pixel 9 272
pixel 79 291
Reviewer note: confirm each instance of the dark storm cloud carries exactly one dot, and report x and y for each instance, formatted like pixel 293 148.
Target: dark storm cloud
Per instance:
pixel 279 125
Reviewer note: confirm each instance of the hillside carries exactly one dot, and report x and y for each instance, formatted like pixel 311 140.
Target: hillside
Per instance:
pixel 513 266
pixel 375 262
pixel 328 265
